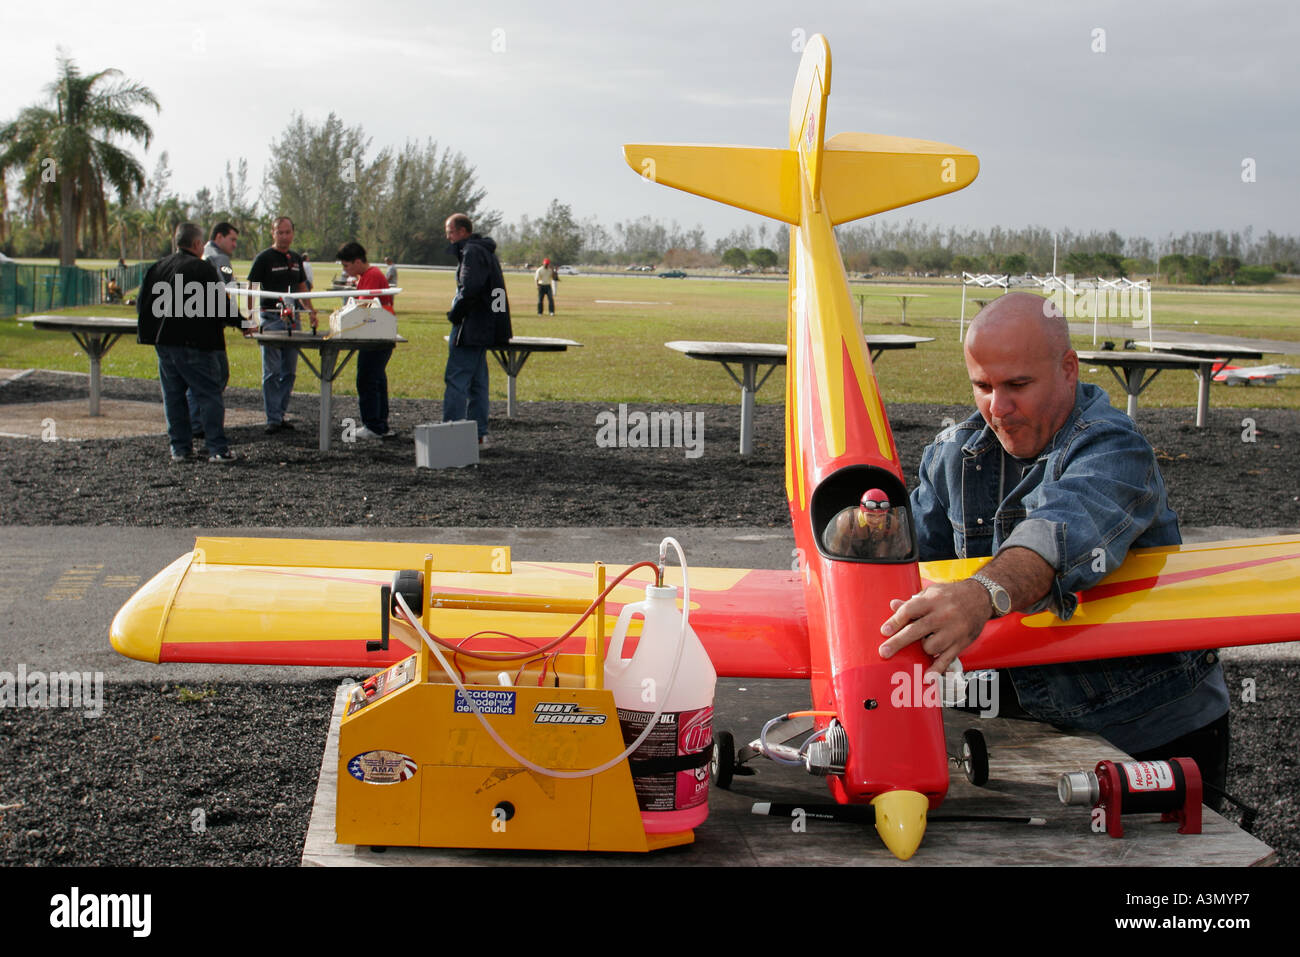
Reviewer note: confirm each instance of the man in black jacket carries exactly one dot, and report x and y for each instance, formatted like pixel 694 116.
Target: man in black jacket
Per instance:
pixel 480 319
pixel 182 312
pixel 220 247
pixel 279 269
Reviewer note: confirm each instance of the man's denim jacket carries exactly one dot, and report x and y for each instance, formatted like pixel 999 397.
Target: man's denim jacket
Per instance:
pixel 1092 494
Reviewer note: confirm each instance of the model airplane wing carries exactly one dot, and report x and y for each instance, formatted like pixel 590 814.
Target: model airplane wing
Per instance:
pixel 257 601
pixel 323 294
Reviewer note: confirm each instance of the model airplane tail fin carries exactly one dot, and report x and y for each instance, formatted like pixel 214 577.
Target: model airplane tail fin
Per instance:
pixel 852 175
pixel 807 124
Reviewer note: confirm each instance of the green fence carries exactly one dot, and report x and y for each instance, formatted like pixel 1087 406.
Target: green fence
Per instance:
pixel 27 289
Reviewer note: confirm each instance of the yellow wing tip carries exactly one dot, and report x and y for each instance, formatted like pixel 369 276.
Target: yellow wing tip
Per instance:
pixel 136 631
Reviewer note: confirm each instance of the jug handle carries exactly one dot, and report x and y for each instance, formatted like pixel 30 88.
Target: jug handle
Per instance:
pixel 614 654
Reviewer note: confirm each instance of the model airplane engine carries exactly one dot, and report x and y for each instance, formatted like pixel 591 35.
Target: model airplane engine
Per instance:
pixel 828 755
pixel 362 319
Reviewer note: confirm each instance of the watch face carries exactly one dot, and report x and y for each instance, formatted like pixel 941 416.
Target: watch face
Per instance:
pixel 999 596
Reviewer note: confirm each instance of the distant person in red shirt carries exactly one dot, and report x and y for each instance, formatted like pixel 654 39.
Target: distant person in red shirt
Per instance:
pixel 372 380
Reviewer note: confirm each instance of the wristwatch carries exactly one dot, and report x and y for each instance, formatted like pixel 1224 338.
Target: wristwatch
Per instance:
pixel 997 594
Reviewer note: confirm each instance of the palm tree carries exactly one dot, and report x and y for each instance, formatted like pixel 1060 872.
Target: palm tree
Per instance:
pixel 163 220
pixel 119 216
pixel 65 151
pixel 138 220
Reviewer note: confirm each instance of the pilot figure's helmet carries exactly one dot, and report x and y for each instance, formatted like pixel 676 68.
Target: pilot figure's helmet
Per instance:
pixel 873 499
pixel 874 505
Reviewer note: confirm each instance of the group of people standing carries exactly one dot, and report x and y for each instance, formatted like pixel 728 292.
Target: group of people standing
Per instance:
pixel 193 367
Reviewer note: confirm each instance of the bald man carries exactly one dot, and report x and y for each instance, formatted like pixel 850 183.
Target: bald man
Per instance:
pixel 1057 486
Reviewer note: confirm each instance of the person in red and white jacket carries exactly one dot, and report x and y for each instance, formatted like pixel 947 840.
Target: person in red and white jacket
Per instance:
pixel 372 379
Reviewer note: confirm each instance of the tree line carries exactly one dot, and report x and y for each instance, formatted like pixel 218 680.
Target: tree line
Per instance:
pixel 1192 257
pixel 62 159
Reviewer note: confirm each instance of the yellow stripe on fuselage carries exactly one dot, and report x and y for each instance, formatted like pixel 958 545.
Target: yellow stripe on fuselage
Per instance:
pixel 835 333
pixel 795 487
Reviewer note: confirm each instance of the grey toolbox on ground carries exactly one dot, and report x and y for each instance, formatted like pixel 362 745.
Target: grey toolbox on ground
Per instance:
pixel 441 445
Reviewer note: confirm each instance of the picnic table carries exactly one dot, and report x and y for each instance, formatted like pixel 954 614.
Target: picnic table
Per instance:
pixel 1204 350
pixel 1134 380
pixel 514 354
pixel 887 341
pixel 902 297
pixel 751 356
pixel 95 334
pixel 330 367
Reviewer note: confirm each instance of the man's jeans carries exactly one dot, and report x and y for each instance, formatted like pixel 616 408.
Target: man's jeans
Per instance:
pixel 467 385
pixel 181 368
pixel 196 422
pixel 372 388
pixel 279 369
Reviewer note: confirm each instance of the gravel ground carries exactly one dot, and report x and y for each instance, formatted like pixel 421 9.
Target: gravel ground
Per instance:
pixel 545 469
pixel 123 790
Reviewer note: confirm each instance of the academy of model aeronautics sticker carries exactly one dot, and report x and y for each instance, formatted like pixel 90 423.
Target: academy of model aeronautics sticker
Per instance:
pixel 381 767
pixel 489 702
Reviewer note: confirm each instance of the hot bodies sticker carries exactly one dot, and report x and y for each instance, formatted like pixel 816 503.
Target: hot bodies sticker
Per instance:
pixel 566 712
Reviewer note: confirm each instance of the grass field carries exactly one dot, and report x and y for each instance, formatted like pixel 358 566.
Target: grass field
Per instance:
pixel 624 321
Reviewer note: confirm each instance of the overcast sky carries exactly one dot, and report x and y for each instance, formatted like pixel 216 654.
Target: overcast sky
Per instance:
pixel 1136 116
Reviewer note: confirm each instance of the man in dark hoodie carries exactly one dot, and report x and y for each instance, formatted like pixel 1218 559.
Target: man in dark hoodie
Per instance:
pixel 480 319
pixel 182 312
pixel 220 247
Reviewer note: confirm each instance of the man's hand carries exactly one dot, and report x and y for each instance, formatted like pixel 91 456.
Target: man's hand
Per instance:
pixel 946 619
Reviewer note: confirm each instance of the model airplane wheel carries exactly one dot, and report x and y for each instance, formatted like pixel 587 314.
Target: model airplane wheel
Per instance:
pixel 975 757
pixel 723 765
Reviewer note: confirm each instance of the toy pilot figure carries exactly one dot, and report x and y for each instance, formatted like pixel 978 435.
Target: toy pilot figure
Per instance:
pixel 870 529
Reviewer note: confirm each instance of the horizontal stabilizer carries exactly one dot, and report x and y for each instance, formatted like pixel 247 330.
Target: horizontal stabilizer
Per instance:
pixel 864 174
pixel 763 181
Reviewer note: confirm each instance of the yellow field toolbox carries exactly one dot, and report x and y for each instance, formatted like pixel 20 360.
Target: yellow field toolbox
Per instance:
pixel 529 755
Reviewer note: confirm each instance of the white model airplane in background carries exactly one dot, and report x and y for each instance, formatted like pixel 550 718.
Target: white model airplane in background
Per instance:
pixel 1245 375
pixel 349 293
pixel 354 318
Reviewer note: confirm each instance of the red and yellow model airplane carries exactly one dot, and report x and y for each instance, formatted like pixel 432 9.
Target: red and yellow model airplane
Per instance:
pixel 246 600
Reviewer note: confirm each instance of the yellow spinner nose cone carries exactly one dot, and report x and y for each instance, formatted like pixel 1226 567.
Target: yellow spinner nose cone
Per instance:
pixel 900 821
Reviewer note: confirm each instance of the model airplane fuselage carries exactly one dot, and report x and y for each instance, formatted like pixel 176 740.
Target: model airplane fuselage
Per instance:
pixel 838 441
